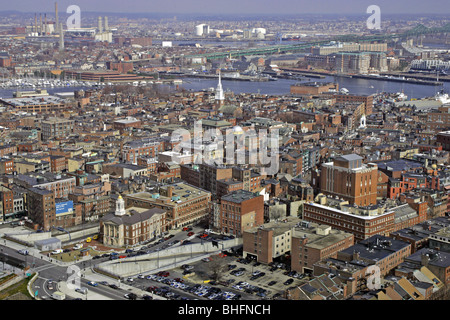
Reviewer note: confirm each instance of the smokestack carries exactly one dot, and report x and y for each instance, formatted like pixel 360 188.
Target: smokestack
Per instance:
pixel 45 27
pixel 100 28
pixel 56 15
pixel 41 28
pixel 106 24
pixel 61 38
pixel 35 23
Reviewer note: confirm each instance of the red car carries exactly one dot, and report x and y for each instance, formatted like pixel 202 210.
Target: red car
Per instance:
pixel 185 228
pixel 151 289
pixel 163 274
pixel 190 234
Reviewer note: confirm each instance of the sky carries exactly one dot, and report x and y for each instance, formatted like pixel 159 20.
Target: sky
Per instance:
pixel 234 6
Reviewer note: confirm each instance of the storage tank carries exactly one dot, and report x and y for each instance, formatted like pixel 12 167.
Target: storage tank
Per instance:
pixel 199 30
pixel 259 30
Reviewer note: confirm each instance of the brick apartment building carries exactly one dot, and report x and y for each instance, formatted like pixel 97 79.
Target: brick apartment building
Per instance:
pixel 239 211
pixel 7 150
pixel 351 264
pixel 220 180
pixel 128 123
pixel 41 208
pixel 313 243
pixel 7 202
pixel 6 166
pixel 55 128
pixel 58 164
pixel 60 185
pixel 132 150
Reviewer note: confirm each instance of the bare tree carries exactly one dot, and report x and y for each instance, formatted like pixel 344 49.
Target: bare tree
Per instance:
pixel 217 270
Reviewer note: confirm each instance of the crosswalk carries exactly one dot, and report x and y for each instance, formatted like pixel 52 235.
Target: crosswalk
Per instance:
pixel 42 268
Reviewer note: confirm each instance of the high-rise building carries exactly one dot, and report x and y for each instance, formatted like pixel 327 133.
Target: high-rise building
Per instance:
pixel 348 178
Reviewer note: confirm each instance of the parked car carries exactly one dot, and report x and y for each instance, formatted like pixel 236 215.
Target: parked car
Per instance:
pixel 288 282
pixel 130 296
pixel 23 251
pixel 82 290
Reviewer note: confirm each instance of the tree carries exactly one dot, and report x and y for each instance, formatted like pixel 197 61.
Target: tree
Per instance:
pixel 217 269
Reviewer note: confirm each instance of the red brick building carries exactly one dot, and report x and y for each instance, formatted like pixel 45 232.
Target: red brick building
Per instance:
pixel 58 164
pixel 6 166
pixel 348 178
pixel 239 211
pixel 41 207
pixel 312 244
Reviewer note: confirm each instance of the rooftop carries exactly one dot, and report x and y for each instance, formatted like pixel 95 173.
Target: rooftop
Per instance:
pixel 240 196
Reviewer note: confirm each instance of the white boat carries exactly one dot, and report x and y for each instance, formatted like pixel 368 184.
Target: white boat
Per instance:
pixel 344 90
pixel 401 96
pixel 442 97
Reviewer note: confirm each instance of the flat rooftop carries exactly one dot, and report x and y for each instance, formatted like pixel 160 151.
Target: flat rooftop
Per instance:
pixel 182 192
pixel 240 196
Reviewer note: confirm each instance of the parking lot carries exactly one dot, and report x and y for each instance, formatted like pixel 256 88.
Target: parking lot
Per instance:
pixel 237 279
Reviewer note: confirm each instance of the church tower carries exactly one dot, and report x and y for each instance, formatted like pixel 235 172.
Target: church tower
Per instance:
pixel 120 206
pixel 219 97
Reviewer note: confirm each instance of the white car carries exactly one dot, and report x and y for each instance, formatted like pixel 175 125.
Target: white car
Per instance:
pixel 130 279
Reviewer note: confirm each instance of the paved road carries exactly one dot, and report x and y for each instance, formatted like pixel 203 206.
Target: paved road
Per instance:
pixel 55 275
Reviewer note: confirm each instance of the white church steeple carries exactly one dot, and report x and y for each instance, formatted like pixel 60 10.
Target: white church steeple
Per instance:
pixel 120 206
pixel 219 97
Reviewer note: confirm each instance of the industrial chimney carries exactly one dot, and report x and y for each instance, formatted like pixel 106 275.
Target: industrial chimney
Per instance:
pixel 56 15
pixel 100 27
pixel 61 38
